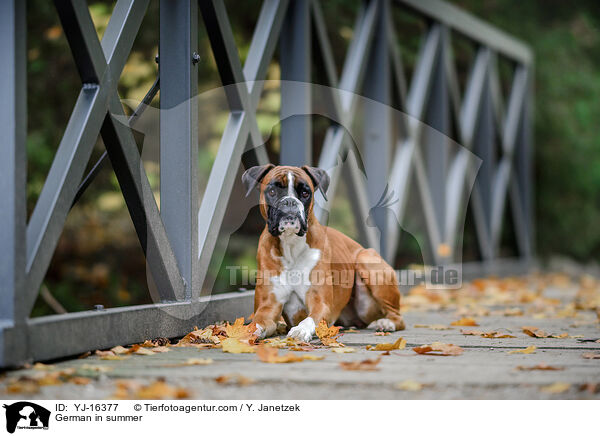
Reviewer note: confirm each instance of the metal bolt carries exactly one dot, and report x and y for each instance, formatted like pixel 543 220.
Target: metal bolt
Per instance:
pixel 195 58
pixel 156 59
pixel 98 307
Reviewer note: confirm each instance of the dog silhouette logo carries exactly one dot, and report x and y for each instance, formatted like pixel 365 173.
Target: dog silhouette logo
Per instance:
pixel 26 415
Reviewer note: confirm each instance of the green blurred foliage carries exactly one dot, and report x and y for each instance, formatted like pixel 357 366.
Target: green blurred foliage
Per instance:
pixel 98 259
pixel 565 37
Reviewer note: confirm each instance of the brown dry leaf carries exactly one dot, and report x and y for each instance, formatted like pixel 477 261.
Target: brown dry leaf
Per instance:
pixel 42 366
pixel 160 349
pixel 556 388
pixel 199 337
pixel 432 326
pixel 80 380
pixel 285 342
pixel 409 385
pixel 106 353
pixel 591 355
pixel 492 335
pixel 540 367
pixel 350 331
pixel 142 351
pixel 535 332
pixel 23 385
pixel 235 379
pixel 398 345
pixel 592 388
pixel 529 350
pixel 271 355
pixel 160 390
pixel 344 350
pixel 241 332
pixel 119 350
pixel 328 335
pixel 382 333
pixel 233 345
pixel 113 357
pixel 465 322
pixel 439 349
pixel 361 365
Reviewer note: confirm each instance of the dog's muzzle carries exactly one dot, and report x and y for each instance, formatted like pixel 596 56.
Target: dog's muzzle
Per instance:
pixel 287 216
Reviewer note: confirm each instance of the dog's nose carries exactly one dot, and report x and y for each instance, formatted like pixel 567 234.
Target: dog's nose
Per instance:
pixel 287 202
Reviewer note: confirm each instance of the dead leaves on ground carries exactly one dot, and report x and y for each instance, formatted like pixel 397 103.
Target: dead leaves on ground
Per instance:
pixel 529 350
pixel 535 332
pixel 556 388
pixel 361 365
pixel 234 379
pixel 591 355
pixel 157 390
pixel 439 349
pixel 328 335
pixel 539 367
pixel 465 322
pixel 398 345
pixel 492 335
pixel 269 354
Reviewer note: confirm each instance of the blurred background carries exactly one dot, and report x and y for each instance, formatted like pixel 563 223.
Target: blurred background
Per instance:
pixel 98 259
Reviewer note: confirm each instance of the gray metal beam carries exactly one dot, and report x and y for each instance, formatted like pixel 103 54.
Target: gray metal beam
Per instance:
pixel 13 167
pixel 295 60
pixel 179 134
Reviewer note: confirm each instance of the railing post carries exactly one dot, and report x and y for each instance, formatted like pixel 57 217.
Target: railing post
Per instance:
pixel 437 116
pixel 13 117
pixel 377 140
pixel 179 134
pixel 295 58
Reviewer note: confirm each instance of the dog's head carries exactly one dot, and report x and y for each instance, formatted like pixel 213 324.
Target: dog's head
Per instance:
pixel 286 195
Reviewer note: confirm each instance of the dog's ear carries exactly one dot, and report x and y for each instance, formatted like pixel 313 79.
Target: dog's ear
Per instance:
pixel 319 177
pixel 253 176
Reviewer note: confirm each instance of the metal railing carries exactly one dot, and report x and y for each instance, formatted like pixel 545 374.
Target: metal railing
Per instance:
pixel 182 235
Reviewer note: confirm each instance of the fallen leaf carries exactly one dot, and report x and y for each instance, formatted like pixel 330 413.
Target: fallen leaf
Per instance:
pixel 439 349
pixel 80 380
pixel 271 355
pixel 233 345
pixel 344 350
pixel 23 385
pixel 492 335
pixel 143 351
pixel 234 379
pixel 114 357
pixel 465 322
pixel 361 365
pixel 382 333
pixel 42 366
pixel 350 331
pixel 432 326
pixel 556 388
pixel 398 345
pixel 312 357
pixel 529 350
pixel 540 367
pixel 160 349
pixel 409 385
pixel 327 335
pixel 199 337
pixel 160 390
pixel 591 355
pixel 534 332
pixel 119 350
pixel 592 388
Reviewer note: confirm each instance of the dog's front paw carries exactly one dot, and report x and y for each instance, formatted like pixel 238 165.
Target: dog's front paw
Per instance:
pixel 383 325
pixel 260 332
pixel 303 331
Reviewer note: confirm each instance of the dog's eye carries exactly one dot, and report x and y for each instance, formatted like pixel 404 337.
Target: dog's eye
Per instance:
pixel 305 194
pixel 271 192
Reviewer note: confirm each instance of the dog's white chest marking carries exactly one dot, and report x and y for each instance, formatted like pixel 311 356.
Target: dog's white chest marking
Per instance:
pixel 297 261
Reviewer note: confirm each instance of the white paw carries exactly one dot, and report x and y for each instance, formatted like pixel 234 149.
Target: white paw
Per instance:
pixel 260 332
pixel 383 325
pixel 303 331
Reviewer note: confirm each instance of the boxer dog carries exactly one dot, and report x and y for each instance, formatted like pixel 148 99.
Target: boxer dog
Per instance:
pixel 308 272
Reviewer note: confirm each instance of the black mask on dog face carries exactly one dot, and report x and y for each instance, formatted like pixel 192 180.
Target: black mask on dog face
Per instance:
pixel 287 206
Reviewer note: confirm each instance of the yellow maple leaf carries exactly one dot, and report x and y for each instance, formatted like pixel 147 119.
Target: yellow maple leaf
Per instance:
pixel 440 349
pixel 271 355
pixel 233 345
pixel 344 350
pixel 361 365
pixel 327 335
